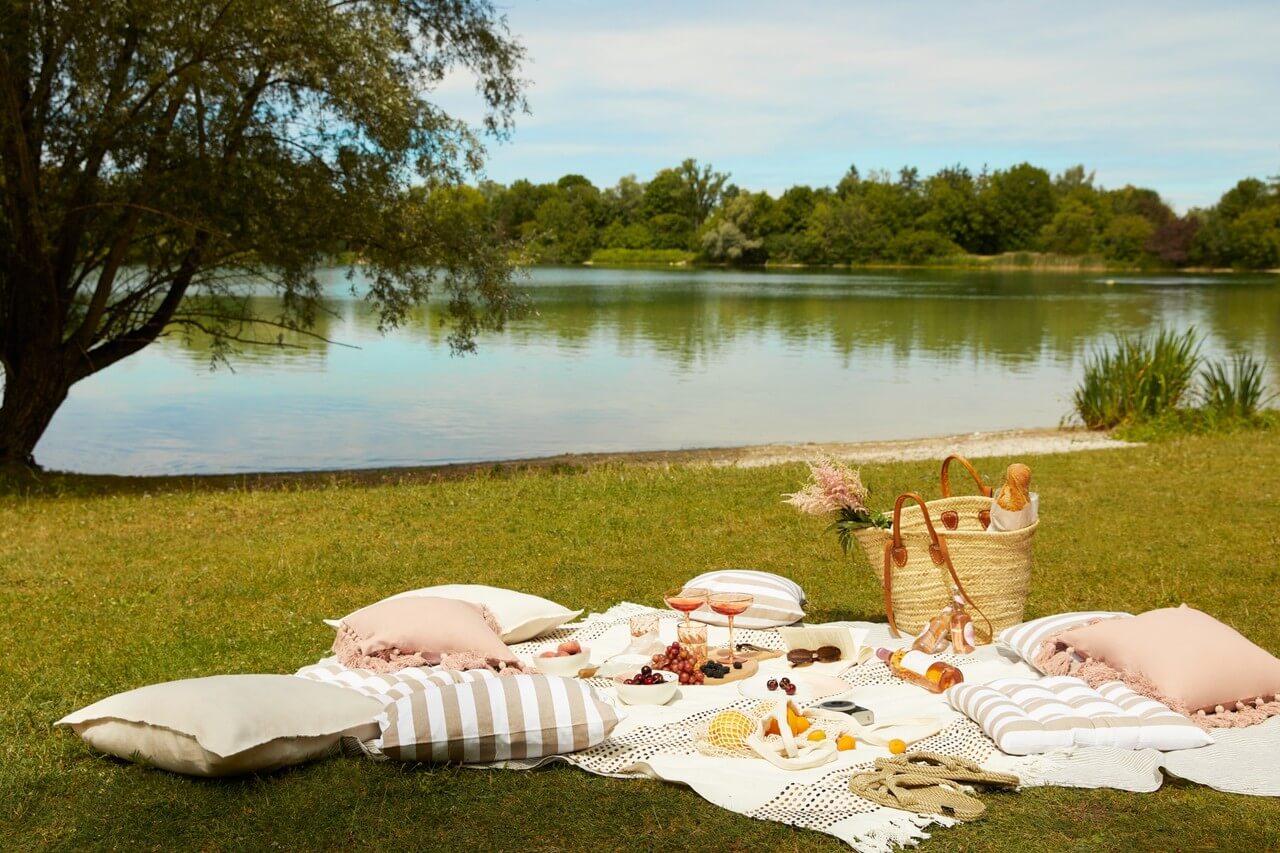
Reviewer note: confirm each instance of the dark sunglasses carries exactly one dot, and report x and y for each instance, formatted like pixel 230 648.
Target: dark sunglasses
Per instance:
pixel 804 657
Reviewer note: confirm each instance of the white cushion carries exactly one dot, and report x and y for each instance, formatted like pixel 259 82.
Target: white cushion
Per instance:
pixel 1026 716
pixel 1026 638
pixel 495 719
pixel 778 600
pixel 225 724
pixel 522 616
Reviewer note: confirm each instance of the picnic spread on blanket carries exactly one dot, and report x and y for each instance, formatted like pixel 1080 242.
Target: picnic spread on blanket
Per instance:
pixel 871 732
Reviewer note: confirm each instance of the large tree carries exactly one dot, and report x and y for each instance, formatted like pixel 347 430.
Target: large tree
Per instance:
pixel 160 158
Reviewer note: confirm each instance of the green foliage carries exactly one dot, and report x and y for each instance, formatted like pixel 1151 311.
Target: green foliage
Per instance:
pixel 1235 388
pixel 641 256
pixel 1142 377
pixel 918 247
pixel 1143 387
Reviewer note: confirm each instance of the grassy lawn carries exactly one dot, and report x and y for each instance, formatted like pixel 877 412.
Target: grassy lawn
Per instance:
pixel 104 593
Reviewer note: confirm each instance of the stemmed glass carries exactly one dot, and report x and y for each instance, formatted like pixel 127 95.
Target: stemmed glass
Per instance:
pixel 730 604
pixel 686 599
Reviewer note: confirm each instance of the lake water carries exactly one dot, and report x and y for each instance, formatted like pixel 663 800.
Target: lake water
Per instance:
pixel 648 359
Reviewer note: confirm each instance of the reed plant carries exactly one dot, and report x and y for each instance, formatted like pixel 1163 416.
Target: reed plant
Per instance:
pixel 1235 387
pixel 1142 377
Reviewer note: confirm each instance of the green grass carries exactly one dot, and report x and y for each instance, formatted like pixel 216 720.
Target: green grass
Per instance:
pixel 102 593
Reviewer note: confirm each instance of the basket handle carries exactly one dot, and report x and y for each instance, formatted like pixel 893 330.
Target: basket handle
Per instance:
pixel 895 554
pixel 983 488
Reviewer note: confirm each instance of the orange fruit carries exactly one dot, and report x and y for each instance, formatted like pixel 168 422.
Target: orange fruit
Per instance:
pixel 817 734
pixel 897 747
pixel 798 723
pixel 771 727
pixel 846 742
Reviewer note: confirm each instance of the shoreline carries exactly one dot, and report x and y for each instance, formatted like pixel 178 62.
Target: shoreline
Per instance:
pixel 1033 441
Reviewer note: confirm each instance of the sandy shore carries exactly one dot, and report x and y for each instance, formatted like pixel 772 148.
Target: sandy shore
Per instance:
pixel 1022 442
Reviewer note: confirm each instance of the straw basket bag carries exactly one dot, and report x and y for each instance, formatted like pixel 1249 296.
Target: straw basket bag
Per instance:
pixel 991 570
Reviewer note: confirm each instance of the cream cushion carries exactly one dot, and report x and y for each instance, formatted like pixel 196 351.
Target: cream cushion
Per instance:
pixel 522 616
pixel 225 725
pixel 778 600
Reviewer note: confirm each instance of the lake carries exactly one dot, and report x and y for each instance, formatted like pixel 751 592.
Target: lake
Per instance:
pixel 640 359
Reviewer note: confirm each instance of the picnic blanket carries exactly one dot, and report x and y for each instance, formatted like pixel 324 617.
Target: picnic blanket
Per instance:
pixel 658 741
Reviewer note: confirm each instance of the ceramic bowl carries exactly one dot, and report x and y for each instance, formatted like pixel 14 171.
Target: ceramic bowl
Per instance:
pixel 647 694
pixel 625 665
pixel 566 666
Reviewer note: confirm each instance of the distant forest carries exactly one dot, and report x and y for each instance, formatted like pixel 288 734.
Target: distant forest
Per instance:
pixel 693 213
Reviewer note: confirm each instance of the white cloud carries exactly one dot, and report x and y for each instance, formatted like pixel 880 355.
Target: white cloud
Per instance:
pixel 620 88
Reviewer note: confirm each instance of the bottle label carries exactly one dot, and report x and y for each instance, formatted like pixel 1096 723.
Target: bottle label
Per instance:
pixel 917 662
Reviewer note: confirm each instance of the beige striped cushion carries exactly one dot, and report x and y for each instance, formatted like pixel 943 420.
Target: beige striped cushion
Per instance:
pixel 495 719
pixel 388 686
pixel 1025 716
pixel 778 601
pixel 1025 639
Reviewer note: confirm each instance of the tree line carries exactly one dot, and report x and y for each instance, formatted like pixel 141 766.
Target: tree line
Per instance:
pixel 692 211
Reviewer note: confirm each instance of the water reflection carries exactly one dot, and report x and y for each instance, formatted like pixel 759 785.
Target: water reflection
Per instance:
pixel 626 359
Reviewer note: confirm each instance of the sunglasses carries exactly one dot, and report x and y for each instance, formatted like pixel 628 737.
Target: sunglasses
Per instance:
pixel 822 654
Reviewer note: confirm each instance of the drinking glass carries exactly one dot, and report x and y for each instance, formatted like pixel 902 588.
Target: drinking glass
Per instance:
pixel 693 637
pixel 686 599
pixel 730 604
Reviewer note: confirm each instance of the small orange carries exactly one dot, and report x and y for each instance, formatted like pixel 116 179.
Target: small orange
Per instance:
pixel 798 722
pixel 771 727
pixel 897 747
pixel 817 734
pixel 846 742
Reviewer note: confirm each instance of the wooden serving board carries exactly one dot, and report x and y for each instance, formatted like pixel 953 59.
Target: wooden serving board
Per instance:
pixel 750 666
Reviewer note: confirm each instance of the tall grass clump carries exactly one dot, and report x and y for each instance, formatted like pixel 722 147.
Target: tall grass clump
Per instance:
pixel 1235 388
pixel 1143 377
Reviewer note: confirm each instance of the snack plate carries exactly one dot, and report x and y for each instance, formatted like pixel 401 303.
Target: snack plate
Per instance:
pixel 810 686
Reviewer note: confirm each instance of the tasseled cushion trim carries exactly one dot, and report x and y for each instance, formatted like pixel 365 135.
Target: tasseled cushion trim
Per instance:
pixel 1056 658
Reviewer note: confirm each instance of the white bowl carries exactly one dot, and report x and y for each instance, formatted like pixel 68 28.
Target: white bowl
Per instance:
pixel 647 694
pixel 627 665
pixel 566 666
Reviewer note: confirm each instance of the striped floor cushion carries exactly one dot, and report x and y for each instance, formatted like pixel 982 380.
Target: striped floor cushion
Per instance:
pixel 389 686
pixel 494 719
pixel 1025 639
pixel 778 600
pixel 1025 716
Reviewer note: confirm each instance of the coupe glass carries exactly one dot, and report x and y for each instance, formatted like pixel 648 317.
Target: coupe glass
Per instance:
pixel 686 599
pixel 730 604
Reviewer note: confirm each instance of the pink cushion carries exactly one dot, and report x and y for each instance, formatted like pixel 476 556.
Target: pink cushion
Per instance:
pixel 425 627
pixel 1188 656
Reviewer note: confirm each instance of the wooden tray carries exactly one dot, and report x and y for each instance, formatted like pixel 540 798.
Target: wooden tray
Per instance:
pixel 750 666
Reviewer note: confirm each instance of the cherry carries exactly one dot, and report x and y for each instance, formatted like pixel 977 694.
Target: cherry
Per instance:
pixel 790 689
pixel 645 670
pixel 772 684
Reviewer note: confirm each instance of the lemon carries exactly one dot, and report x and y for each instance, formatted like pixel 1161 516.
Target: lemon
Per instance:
pixel 729 729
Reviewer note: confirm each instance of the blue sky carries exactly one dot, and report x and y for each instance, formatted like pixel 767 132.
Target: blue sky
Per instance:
pixel 1181 97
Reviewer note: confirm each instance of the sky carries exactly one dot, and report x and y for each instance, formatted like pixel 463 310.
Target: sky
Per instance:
pixel 1180 97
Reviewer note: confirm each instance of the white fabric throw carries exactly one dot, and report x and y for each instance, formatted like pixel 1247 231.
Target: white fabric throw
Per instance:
pixel 658 741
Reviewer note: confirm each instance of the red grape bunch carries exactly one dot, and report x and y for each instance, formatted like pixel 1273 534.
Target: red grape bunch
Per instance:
pixel 681 662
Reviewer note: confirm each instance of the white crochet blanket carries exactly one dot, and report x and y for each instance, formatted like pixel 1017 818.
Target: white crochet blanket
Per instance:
pixel 658 742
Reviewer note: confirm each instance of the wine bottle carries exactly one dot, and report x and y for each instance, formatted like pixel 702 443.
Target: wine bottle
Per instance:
pixel 934 636
pixel 962 637
pixel 920 669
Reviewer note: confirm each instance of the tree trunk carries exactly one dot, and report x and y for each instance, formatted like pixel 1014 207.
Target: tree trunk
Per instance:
pixel 32 394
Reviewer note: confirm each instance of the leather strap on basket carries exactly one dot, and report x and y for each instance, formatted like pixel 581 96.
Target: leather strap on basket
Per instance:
pixel 983 488
pixel 950 518
pixel 895 553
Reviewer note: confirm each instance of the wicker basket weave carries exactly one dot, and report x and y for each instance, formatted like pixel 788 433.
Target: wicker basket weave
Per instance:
pixel 994 568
